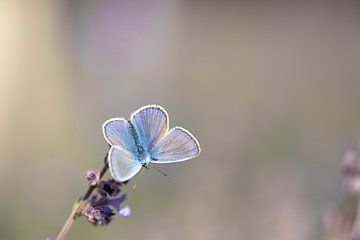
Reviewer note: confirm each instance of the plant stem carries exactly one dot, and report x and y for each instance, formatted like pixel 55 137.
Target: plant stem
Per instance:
pixel 78 205
pixel 69 222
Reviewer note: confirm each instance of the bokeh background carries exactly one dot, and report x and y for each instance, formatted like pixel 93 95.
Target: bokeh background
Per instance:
pixel 270 88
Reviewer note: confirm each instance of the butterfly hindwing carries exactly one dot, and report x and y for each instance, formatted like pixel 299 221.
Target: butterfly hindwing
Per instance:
pixel 178 145
pixel 151 124
pixel 122 164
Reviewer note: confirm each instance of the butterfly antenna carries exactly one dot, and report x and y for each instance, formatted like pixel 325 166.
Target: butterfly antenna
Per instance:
pixel 141 173
pixel 161 172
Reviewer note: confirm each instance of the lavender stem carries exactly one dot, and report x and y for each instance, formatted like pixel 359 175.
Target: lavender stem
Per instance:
pixel 79 205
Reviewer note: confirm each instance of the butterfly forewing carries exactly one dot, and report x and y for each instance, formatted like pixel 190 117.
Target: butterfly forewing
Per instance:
pixel 116 132
pixel 178 145
pixel 151 124
pixel 122 164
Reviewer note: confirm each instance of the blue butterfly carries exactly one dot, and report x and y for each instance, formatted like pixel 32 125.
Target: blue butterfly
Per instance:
pixel 144 139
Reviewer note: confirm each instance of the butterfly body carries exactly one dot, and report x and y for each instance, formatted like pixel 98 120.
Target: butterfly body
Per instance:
pixel 141 154
pixel 145 139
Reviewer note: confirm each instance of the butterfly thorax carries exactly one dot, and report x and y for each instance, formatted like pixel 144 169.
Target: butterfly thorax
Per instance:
pixel 141 154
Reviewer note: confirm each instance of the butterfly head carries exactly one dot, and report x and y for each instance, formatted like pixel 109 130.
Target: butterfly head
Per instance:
pixel 146 165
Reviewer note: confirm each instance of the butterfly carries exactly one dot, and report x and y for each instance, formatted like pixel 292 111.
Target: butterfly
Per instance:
pixel 143 139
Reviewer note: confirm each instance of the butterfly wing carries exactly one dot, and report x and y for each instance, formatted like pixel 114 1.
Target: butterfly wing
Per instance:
pixel 151 124
pixel 122 157
pixel 122 164
pixel 178 145
pixel 116 132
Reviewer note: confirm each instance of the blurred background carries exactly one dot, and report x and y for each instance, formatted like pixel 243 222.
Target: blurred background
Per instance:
pixel 270 88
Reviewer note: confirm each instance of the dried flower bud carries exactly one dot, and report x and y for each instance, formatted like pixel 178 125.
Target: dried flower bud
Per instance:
pixel 98 216
pixel 93 177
